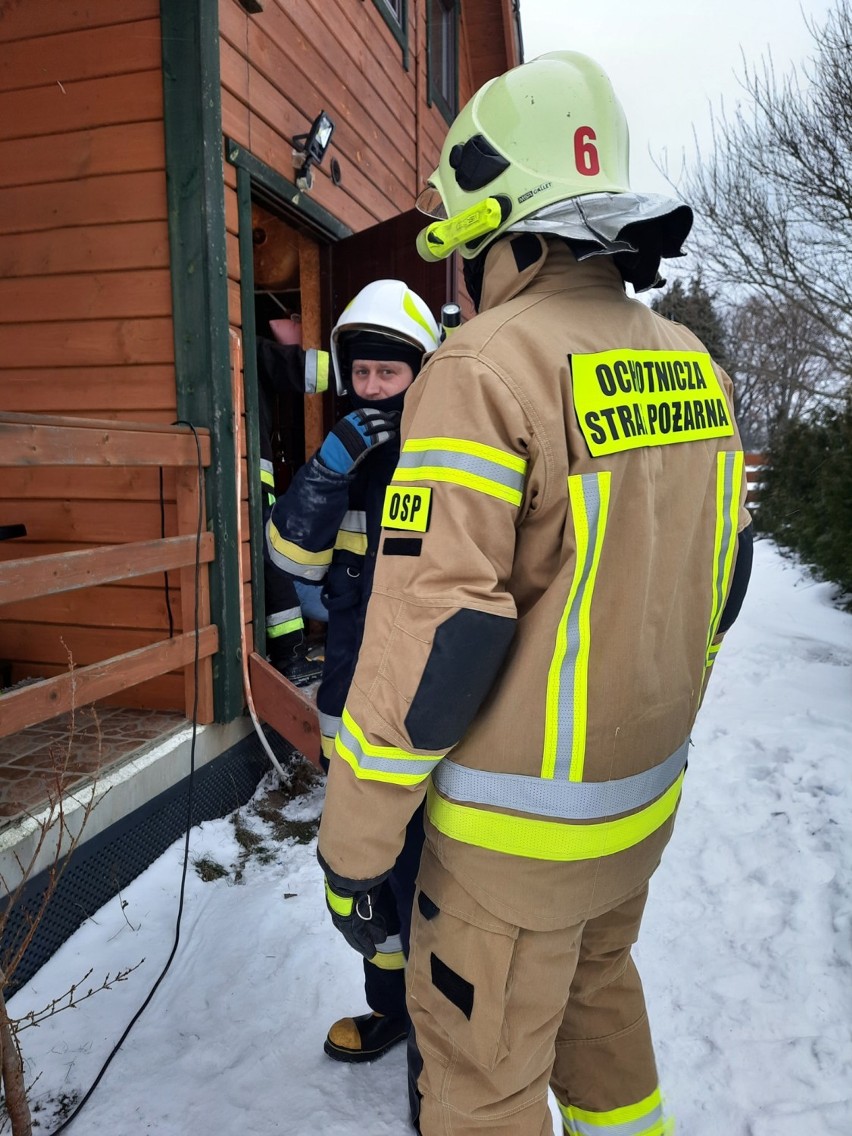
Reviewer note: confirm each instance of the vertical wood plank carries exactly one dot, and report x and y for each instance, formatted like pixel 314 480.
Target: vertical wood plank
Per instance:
pixel 189 497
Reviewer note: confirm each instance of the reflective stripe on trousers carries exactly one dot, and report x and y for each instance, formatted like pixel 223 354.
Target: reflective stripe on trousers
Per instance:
pixel 645 1118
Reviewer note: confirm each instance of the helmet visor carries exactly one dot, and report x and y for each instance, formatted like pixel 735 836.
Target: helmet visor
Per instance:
pixel 429 202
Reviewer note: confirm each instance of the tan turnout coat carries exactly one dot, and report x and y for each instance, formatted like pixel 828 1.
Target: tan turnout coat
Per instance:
pixel 581 502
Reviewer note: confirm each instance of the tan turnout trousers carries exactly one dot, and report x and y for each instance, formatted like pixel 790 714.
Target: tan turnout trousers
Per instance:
pixel 500 1012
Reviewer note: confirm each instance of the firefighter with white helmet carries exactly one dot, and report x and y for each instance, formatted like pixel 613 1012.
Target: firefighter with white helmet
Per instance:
pixel 325 528
pixel 534 666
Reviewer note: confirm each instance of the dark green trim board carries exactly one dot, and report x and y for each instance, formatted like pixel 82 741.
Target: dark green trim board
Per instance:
pixel 196 205
pixel 250 401
pixel 279 191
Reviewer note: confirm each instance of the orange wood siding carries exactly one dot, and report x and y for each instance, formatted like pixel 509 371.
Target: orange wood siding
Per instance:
pixel 85 312
pixel 281 67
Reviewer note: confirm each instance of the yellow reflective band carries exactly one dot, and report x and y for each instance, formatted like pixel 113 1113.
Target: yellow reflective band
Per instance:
pixel 645 1118
pixel 327 745
pixel 407 509
pixel 566 704
pixel 351 542
pixel 628 399
pixel 294 552
pixel 545 839
pixel 322 372
pixel 275 630
pixel 462 446
pixel 395 961
pixel 439 239
pixel 340 905
pixel 473 465
pixel 267 477
pixel 380 763
pixel 468 480
pixel 730 467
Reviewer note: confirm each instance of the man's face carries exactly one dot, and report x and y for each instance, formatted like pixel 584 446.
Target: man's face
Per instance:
pixel 374 379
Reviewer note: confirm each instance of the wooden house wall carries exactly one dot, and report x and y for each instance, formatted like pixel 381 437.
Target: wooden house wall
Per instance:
pixel 281 67
pixel 85 310
pixel 85 292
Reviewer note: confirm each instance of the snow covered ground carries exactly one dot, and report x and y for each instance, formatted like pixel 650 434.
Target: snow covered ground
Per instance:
pixel 746 949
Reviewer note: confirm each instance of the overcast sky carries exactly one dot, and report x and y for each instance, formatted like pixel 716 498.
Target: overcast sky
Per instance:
pixel 671 60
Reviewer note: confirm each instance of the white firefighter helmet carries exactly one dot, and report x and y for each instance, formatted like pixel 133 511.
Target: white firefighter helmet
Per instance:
pixel 387 308
pixel 546 131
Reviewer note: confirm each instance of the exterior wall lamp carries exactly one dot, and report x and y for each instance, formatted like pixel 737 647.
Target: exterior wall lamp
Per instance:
pixel 309 149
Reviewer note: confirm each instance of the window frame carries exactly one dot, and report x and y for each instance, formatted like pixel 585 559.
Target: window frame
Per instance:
pixel 435 95
pixel 398 27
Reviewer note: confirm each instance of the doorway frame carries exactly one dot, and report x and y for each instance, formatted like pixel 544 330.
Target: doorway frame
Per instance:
pixel 256 181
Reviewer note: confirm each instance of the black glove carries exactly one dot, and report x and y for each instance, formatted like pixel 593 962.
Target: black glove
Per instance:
pixel 353 915
pixel 355 436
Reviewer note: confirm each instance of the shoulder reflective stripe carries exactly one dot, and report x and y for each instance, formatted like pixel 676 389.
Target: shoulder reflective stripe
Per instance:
pixel 339 904
pixel 471 464
pixel 267 473
pixel 645 1118
pixel 352 534
pixel 462 446
pixel 568 800
pixel 380 763
pixel 295 560
pixel 329 724
pixel 566 710
pixel 548 839
pixel 729 473
pixel 316 371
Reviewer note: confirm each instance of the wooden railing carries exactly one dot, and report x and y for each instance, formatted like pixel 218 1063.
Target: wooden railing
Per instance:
pixel 38 440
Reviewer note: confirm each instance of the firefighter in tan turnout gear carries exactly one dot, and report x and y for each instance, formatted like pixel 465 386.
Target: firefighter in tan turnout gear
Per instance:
pixel 571 493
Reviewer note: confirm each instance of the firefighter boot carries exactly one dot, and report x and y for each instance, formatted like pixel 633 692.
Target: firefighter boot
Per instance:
pixel 365 1038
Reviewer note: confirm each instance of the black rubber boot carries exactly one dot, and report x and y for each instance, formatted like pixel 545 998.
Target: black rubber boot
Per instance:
pixel 365 1038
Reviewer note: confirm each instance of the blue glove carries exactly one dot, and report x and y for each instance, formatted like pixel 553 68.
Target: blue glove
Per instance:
pixel 355 436
pixel 353 915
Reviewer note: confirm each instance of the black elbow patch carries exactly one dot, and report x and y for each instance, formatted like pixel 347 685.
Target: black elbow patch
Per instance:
pixel 467 652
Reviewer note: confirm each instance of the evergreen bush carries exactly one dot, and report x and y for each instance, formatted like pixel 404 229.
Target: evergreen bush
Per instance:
pixel 806 494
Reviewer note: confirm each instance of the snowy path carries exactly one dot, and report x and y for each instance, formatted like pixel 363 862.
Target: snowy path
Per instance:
pixel 746 949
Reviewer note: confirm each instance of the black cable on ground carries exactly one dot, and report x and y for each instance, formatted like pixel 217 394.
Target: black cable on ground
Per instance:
pixel 81 1104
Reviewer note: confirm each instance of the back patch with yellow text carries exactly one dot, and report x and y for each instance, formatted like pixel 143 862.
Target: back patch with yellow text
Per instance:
pixel 627 399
